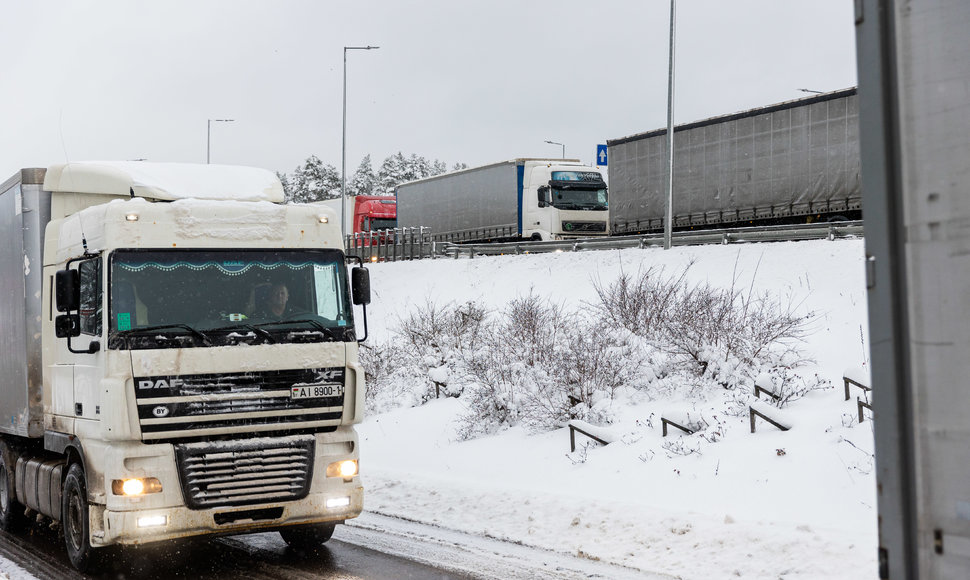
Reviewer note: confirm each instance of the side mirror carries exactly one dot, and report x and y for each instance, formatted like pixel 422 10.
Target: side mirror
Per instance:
pixel 543 196
pixel 360 285
pixel 67 325
pixel 67 288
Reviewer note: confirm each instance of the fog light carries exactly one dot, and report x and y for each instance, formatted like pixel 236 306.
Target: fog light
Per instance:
pixel 152 521
pixel 133 487
pixel 338 502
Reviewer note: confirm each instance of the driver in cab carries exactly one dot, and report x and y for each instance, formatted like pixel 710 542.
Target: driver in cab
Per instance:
pixel 275 304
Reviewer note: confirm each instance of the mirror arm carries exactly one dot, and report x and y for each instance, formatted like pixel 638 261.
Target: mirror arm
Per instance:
pixel 93 347
pixel 360 340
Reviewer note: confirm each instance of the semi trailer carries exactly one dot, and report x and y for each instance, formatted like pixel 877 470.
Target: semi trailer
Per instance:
pixel 151 389
pixel 538 199
pixel 793 162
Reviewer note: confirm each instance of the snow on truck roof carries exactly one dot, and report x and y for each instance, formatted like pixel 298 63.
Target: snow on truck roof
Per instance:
pixel 165 181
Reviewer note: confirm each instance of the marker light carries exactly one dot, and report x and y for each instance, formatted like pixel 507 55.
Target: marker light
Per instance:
pixel 151 521
pixel 323 219
pixel 338 502
pixel 133 487
pixel 345 469
pixel 132 217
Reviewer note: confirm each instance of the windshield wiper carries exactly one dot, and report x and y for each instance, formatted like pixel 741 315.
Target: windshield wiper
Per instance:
pixel 256 330
pixel 328 332
pixel 195 332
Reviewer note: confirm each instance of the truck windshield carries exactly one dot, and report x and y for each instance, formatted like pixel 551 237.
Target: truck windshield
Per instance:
pixel 383 223
pixel 578 196
pixel 192 298
pixel 578 190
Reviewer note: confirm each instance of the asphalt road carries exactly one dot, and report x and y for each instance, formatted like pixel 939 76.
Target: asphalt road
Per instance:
pixel 40 552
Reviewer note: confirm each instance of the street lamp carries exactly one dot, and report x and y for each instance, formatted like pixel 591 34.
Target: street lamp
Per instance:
pixel 208 134
pixel 343 146
pixel 561 145
pixel 669 210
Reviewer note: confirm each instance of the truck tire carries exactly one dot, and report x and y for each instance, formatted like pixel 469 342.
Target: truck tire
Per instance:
pixel 307 538
pixel 12 513
pixel 74 511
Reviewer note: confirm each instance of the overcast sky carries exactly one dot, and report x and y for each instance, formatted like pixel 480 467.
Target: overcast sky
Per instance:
pixel 461 81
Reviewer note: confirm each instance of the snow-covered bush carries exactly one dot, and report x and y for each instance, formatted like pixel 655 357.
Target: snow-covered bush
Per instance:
pixel 435 340
pixel 724 335
pixel 543 366
pixel 389 378
pixel 516 374
pixel 538 364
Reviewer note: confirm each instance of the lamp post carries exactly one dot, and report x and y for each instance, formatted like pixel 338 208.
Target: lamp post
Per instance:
pixel 669 210
pixel 343 146
pixel 561 145
pixel 208 134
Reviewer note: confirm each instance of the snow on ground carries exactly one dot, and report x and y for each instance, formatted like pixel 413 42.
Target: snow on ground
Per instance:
pixel 796 504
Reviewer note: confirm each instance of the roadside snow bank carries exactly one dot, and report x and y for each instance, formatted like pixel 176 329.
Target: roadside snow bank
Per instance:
pixel 720 503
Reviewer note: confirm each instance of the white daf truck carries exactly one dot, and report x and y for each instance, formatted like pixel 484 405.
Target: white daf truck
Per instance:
pixel 151 387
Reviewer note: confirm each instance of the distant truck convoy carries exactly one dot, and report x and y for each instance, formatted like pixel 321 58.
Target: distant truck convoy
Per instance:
pixel 792 162
pixel 366 213
pixel 178 356
pixel 536 199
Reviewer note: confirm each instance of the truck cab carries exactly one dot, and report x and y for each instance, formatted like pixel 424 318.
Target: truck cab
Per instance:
pixel 564 201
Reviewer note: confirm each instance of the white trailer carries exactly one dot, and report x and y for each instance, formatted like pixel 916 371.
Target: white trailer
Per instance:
pixel 147 393
pixel 539 199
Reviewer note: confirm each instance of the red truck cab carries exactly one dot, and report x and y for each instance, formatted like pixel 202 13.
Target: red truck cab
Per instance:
pixel 374 212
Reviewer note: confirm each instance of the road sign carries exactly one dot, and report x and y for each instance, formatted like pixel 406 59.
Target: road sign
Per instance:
pixel 601 155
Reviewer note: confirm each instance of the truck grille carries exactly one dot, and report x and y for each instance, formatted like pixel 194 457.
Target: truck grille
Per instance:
pixel 231 473
pixel 577 227
pixel 184 406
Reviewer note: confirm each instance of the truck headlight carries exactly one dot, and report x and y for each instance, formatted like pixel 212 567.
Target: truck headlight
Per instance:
pixel 134 487
pixel 345 469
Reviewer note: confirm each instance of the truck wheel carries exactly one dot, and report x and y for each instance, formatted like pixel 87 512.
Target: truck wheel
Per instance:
pixel 307 538
pixel 74 511
pixel 12 516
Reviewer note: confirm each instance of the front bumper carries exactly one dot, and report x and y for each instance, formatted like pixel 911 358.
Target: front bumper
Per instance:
pixel 116 527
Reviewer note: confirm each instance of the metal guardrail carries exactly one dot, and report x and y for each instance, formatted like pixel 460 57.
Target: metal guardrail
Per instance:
pixel 391 245
pixel 830 231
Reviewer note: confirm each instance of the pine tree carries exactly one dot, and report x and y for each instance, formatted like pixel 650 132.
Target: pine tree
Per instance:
pixel 314 181
pixel 364 181
pixel 391 173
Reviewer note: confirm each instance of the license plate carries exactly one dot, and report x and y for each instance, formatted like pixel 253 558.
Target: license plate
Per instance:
pixel 316 392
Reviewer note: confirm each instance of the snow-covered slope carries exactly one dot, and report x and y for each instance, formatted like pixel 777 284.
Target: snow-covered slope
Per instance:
pixel 773 504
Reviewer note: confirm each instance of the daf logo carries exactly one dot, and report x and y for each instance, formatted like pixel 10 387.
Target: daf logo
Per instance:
pixel 160 411
pixel 160 383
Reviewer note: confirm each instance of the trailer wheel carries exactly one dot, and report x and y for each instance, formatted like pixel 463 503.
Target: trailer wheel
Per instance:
pixel 12 512
pixel 74 511
pixel 307 538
